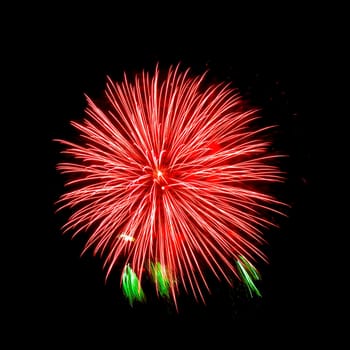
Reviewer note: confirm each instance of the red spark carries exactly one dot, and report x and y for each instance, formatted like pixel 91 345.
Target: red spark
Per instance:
pixel 170 174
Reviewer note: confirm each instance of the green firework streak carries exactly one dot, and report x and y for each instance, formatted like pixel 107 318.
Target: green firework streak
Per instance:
pixel 131 286
pixel 249 274
pixel 161 279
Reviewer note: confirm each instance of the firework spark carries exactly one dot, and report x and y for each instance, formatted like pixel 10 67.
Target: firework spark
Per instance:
pixel 165 179
pixel 131 286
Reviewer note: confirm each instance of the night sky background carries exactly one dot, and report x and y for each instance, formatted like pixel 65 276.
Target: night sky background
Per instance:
pixel 66 54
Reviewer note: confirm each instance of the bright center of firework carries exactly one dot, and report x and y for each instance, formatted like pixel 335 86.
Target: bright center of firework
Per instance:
pixel 159 178
pixel 159 174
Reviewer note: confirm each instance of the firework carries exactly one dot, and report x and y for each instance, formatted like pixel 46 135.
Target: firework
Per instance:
pixel 131 286
pixel 165 179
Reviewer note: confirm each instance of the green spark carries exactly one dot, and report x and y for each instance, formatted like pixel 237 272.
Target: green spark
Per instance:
pixel 249 274
pixel 161 279
pixel 131 286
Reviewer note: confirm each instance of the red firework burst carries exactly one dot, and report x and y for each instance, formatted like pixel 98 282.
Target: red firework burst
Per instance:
pixel 166 181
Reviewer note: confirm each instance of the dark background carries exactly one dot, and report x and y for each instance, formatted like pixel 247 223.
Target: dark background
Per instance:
pixel 64 54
